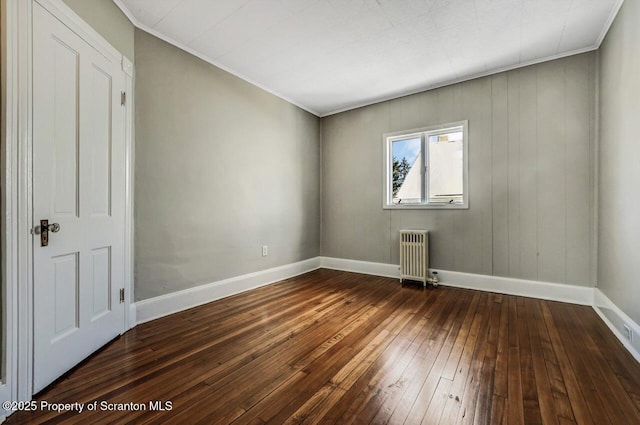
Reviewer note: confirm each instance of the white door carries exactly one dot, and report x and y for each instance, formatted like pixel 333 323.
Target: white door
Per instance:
pixel 78 183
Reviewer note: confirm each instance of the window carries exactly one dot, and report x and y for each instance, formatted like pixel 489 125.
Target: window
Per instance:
pixel 427 167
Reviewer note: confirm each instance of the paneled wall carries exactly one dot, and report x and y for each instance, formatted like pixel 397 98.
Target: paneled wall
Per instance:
pixel 531 162
pixel 619 225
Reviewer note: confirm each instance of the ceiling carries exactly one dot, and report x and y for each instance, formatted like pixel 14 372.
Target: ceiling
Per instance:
pixel 328 56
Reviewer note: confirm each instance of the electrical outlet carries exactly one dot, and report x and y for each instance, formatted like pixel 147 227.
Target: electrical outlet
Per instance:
pixel 265 250
pixel 628 333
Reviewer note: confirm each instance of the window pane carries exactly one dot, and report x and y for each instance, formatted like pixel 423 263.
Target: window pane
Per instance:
pixel 446 163
pixel 407 175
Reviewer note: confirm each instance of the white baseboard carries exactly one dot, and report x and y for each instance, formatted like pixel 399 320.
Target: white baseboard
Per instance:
pixel 365 267
pixel 525 288
pixel 504 285
pixel 132 316
pixel 174 302
pixel 615 319
pixel 153 308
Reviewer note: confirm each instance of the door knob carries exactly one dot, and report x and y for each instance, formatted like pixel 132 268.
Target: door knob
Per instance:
pixel 44 230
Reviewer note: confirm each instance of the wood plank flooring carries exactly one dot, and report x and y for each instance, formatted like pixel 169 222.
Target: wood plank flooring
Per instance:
pixel 344 348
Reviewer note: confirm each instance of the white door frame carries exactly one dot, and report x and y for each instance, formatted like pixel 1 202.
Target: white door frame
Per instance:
pixel 17 212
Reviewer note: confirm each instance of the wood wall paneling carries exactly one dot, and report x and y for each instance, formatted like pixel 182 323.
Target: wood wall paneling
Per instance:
pixel 531 176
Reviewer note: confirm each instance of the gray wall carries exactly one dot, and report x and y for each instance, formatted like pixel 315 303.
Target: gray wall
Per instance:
pixel 222 168
pixel 108 20
pixel 531 176
pixel 619 225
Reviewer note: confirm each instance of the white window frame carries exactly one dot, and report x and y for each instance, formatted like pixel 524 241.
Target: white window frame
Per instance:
pixel 424 133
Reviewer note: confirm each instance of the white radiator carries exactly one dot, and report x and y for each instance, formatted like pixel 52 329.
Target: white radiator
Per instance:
pixel 414 255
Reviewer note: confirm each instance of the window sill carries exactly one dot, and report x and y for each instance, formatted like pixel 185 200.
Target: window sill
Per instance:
pixel 425 207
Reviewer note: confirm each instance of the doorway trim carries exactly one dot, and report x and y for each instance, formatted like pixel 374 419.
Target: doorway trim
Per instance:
pixel 18 177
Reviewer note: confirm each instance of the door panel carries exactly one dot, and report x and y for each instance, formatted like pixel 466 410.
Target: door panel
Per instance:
pixel 78 182
pixel 101 282
pixel 101 89
pixel 66 308
pixel 64 123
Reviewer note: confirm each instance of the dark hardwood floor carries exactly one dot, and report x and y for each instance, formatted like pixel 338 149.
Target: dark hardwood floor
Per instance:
pixel 335 347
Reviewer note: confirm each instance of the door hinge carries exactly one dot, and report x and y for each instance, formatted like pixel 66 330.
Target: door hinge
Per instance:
pixel 123 98
pixel 121 295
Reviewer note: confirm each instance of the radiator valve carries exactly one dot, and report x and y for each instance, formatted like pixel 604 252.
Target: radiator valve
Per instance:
pixel 433 280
